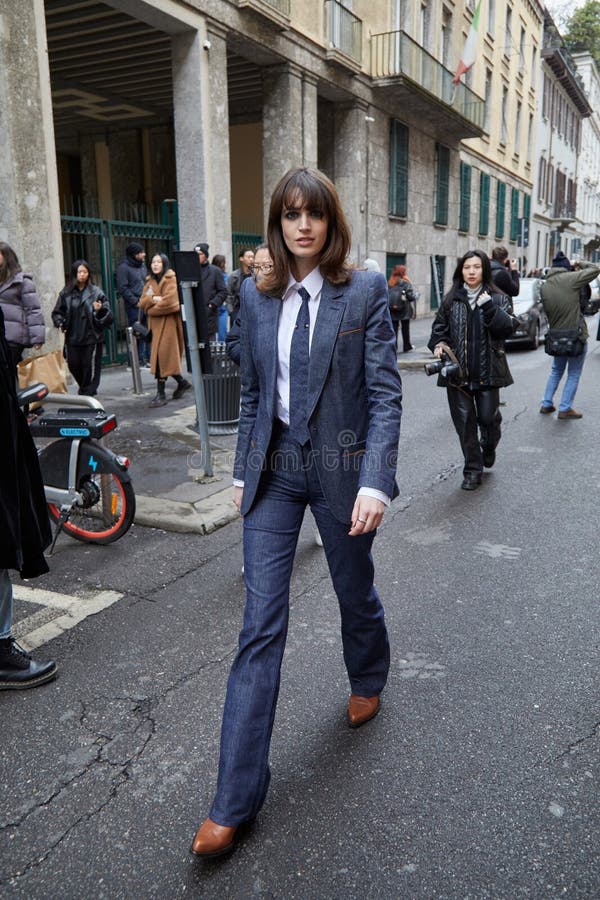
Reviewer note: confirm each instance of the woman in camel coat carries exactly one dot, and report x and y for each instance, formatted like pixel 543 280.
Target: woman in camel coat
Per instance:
pixel 160 302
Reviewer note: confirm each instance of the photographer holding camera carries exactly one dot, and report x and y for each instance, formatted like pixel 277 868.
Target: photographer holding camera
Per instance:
pixel 505 272
pixel 467 338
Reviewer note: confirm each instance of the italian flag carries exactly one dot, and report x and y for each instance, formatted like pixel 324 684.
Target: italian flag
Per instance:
pixel 470 49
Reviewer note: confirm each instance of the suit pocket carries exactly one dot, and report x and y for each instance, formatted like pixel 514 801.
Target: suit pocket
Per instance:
pixel 349 328
pixel 352 456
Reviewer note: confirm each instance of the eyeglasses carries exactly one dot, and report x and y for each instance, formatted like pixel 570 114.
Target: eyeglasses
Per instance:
pixel 265 268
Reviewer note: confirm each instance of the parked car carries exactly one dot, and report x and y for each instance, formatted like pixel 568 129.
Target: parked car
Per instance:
pixel 593 304
pixel 528 309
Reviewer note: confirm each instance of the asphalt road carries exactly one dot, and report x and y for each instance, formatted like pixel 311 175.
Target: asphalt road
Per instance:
pixel 479 779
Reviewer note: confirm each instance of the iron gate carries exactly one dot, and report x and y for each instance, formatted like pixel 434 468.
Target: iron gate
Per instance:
pixel 102 243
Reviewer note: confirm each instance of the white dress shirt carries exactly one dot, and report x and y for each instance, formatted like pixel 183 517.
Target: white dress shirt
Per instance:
pixel 292 301
pixel 290 307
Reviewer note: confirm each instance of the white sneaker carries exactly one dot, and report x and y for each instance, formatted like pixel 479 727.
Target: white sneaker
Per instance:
pixel 318 538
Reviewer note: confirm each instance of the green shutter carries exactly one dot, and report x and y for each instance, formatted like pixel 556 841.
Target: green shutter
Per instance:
pixel 442 190
pixel 500 209
pixel 464 221
pixel 484 203
pixel 526 206
pixel 514 214
pixel 398 169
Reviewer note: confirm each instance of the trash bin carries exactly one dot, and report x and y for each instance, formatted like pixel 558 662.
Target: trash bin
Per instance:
pixel 222 392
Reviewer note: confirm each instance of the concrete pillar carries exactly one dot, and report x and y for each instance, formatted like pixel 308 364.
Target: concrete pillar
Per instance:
pixel 191 123
pixel 103 180
pixel 289 124
pixel 219 171
pixel 351 171
pixel 29 204
pixel 201 117
pixel 309 120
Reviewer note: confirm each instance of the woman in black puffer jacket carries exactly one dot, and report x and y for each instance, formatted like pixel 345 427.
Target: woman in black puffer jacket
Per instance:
pixel 473 321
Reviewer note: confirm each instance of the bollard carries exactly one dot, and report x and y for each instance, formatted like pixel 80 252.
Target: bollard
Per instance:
pixel 132 348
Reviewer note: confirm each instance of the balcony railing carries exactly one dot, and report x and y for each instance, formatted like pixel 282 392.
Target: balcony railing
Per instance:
pixel 395 54
pixel 564 211
pixel 344 33
pixel 277 11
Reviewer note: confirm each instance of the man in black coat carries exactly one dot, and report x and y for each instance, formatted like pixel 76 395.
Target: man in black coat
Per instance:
pixel 214 289
pixel 24 526
pixel 131 277
pixel 505 273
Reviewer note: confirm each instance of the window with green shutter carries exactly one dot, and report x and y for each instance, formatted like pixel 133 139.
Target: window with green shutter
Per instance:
pixel 526 206
pixel 500 209
pixel 514 214
pixel 464 219
pixel 484 203
pixel 442 186
pixel 398 169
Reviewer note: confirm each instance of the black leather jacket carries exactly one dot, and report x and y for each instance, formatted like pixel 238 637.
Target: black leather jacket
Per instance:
pixel 477 338
pixel 75 314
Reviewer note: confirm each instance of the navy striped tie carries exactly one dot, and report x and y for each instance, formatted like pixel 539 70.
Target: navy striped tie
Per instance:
pixel 299 355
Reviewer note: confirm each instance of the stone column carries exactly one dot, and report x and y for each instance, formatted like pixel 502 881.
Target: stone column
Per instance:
pixel 219 173
pixel 289 124
pixel 351 165
pixel 201 117
pixel 191 125
pixel 309 120
pixel 29 203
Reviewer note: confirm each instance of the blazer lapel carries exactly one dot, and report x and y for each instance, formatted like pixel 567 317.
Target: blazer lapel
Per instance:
pixel 269 311
pixel 329 316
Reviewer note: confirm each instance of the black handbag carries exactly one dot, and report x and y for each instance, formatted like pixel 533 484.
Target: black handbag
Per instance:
pixel 141 331
pixel 564 342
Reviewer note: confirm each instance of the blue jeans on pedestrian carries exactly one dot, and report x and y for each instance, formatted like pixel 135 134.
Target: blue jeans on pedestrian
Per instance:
pixel 271 529
pixel 6 603
pixel 574 365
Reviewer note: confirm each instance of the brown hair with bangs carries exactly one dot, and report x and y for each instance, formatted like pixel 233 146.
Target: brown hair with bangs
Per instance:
pixel 313 189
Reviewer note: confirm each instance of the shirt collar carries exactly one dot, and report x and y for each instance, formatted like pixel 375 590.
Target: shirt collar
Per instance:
pixel 313 284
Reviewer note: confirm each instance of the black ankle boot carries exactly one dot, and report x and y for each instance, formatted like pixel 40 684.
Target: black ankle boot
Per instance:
pixel 161 398
pixel 17 669
pixel 182 387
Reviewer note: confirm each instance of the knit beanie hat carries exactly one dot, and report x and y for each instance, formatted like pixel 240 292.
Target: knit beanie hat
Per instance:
pixel 201 248
pixel 134 248
pixel 560 261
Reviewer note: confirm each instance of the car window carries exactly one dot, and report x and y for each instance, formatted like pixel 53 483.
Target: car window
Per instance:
pixel 525 290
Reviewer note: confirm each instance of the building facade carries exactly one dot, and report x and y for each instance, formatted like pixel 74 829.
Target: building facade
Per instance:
pixel 557 214
pixel 159 112
pixel 588 168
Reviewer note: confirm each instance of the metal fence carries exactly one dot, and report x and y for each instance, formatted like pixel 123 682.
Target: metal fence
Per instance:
pixel 102 243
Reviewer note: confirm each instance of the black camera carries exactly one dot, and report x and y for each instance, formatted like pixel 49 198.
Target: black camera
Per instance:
pixel 443 366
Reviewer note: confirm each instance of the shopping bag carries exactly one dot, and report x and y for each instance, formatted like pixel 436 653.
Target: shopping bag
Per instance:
pixel 50 369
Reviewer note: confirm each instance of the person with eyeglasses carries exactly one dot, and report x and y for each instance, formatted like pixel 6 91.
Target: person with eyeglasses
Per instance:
pixel 262 265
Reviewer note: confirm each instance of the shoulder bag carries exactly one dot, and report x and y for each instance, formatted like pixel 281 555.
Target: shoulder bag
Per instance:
pixel 564 342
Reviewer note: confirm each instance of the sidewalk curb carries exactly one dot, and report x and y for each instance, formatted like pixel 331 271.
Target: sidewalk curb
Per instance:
pixel 202 517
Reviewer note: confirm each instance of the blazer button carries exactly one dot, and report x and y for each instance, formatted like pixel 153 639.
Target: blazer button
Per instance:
pixel 314 429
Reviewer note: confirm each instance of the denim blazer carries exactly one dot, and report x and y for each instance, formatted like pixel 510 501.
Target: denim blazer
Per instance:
pixel 354 390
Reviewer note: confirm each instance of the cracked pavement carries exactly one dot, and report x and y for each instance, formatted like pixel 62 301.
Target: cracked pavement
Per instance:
pixel 477 780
